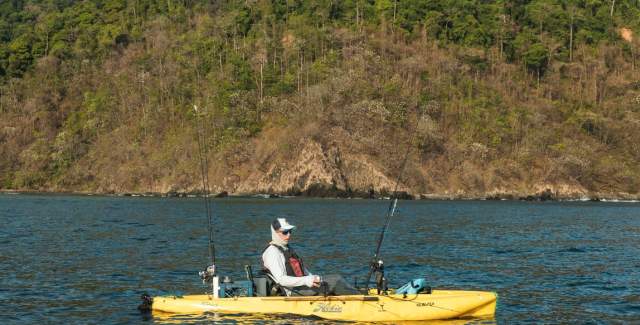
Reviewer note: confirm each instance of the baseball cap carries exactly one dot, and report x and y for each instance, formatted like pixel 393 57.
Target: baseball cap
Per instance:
pixel 281 224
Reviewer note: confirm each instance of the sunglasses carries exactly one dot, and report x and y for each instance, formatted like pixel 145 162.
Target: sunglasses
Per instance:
pixel 286 232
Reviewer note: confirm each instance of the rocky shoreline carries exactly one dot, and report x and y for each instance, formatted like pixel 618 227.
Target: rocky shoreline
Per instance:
pixel 543 196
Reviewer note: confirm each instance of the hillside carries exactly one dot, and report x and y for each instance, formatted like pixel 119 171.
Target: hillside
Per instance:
pixel 322 98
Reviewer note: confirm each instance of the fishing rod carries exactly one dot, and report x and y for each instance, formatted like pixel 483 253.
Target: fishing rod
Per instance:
pixel 209 273
pixel 376 266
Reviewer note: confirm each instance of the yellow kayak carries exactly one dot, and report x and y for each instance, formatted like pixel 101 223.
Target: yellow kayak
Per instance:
pixel 438 305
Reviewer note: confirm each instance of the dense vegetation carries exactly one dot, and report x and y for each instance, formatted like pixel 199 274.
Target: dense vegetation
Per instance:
pixel 97 95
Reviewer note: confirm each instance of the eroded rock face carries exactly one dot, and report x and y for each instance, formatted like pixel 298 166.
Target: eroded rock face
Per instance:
pixel 317 171
pixel 362 174
pixel 312 166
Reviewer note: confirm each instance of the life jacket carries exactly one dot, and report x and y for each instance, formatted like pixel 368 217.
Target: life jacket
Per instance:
pixel 293 262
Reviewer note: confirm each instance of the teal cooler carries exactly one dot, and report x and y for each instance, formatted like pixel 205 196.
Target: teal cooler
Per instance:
pixel 236 289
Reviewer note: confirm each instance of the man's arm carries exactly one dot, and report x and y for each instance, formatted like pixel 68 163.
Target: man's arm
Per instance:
pixel 274 261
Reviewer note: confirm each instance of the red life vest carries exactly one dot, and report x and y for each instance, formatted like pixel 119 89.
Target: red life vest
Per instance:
pixel 292 261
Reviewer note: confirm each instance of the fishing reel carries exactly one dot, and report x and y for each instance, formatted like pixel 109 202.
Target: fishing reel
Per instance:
pixel 207 275
pixel 377 268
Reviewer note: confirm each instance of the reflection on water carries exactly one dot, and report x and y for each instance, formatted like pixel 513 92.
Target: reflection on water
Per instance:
pixel 72 259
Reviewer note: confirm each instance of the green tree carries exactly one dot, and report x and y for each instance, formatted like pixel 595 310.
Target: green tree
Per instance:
pixel 20 57
pixel 536 58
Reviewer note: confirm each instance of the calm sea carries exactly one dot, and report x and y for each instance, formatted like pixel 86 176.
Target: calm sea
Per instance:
pixel 83 259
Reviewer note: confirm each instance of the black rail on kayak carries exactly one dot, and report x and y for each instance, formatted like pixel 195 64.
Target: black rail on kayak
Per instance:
pixel 327 298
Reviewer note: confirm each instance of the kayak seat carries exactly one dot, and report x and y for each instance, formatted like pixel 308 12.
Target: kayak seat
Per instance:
pixel 261 284
pixel 267 286
pixel 264 284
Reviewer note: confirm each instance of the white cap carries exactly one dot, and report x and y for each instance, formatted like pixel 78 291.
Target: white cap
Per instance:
pixel 281 223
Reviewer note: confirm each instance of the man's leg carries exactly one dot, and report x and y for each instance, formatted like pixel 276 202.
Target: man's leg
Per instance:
pixel 305 291
pixel 338 286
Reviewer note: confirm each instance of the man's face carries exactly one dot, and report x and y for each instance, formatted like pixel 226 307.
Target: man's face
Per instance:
pixel 284 235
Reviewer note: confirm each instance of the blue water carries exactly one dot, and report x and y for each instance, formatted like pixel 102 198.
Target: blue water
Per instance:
pixel 80 259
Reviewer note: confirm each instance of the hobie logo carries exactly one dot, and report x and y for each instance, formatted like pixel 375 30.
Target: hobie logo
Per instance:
pixel 426 304
pixel 327 308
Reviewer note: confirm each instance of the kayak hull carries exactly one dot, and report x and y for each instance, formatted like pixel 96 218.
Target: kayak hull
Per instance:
pixel 438 305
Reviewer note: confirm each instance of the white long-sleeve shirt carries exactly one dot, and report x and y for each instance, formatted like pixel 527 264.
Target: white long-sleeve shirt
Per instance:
pixel 274 261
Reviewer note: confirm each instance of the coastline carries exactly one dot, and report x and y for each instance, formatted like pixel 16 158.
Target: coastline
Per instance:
pixel 531 197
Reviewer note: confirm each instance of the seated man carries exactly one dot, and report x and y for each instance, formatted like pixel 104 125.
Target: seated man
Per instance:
pixel 287 269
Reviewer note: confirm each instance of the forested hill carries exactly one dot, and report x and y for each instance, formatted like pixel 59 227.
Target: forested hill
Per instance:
pixel 494 98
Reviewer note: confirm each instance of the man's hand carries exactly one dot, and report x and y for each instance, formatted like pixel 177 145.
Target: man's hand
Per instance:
pixel 316 281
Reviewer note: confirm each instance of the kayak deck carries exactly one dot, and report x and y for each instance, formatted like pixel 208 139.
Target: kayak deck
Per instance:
pixel 438 305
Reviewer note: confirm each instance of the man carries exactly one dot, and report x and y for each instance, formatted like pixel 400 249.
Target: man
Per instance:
pixel 283 264
pixel 287 269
